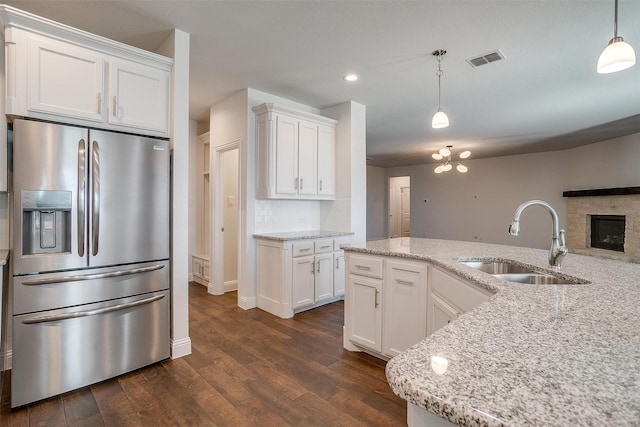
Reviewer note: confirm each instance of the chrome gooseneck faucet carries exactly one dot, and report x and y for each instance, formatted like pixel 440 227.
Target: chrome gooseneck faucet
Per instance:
pixel 558 249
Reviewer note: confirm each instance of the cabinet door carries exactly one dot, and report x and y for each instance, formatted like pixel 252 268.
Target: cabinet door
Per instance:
pixel 365 312
pixel 338 274
pixel 326 161
pixel 324 277
pixel 196 267
pixel 441 314
pixel 307 158
pixel 286 155
pixel 64 80
pixel 303 281
pixel 405 305
pixel 138 96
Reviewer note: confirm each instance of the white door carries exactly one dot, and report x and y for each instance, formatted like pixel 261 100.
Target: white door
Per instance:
pixel 338 274
pixel 396 186
pixel 286 155
pixel 405 211
pixel 307 158
pixel 365 311
pixel 326 161
pixel 441 314
pixel 231 216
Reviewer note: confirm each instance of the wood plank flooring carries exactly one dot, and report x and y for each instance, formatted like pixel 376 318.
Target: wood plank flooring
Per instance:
pixel 247 368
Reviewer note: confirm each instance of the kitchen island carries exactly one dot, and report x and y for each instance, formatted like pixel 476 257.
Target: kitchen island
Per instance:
pixel 531 354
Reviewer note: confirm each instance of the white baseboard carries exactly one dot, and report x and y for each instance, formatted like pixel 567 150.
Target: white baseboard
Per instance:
pixel 247 303
pixel 6 361
pixel 231 285
pixel 180 348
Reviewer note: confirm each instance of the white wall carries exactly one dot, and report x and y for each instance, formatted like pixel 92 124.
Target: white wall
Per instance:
pixel 195 193
pixel 478 206
pixel 376 203
pixel 349 210
pixel 606 164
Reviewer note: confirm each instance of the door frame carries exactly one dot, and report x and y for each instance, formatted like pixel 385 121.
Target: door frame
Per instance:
pixel 390 205
pixel 216 257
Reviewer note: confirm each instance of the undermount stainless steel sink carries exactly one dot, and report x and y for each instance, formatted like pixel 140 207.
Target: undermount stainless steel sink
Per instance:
pixel 498 267
pixel 516 273
pixel 536 279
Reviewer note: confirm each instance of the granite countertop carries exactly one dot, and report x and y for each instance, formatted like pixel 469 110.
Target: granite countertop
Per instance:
pixel 532 354
pixel 299 235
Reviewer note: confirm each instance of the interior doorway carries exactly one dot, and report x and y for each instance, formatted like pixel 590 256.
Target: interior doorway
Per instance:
pixel 399 206
pixel 226 218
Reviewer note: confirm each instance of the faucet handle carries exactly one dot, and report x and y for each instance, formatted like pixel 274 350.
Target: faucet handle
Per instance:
pixel 562 237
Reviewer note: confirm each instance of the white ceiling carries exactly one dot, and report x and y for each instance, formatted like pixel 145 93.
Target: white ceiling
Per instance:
pixel 546 94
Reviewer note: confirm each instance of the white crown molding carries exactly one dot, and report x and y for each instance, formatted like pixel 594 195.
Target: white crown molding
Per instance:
pixel 273 108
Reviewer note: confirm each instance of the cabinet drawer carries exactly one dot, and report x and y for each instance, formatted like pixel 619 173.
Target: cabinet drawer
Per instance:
pixel 365 266
pixel 322 246
pixel 461 295
pixel 302 249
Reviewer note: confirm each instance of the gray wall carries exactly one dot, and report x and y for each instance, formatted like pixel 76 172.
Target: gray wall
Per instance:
pixel 376 203
pixel 479 205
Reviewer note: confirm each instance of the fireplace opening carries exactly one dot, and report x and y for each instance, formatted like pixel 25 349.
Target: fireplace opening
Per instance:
pixel 607 232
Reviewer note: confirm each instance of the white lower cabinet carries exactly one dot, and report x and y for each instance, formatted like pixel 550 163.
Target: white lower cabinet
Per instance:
pixel 297 275
pixel 365 312
pixel 392 303
pixel 200 268
pixel 386 303
pixel 450 297
pixel 405 305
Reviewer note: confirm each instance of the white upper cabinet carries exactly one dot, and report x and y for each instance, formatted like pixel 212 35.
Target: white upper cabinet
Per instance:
pixel 58 73
pixel 295 154
pixel 138 96
pixel 64 80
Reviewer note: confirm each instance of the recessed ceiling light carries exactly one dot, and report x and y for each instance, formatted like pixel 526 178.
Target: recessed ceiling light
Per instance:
pixel 351 77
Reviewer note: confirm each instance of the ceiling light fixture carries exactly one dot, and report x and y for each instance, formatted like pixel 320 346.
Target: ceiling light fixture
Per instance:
pixel 440 119
pixel 445 153
pixel 618 55
pixel 351 77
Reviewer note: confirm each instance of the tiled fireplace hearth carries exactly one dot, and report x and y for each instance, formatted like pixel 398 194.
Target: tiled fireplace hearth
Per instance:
pixel 604 222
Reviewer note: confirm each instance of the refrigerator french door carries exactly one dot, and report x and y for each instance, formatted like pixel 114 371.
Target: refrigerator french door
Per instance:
pixel 90 256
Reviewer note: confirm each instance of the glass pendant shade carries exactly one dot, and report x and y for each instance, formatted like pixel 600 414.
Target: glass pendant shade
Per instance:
pixel 440 120
pixel 462 168
pixel 438 169
pixel 436 156
pixel 465 154
pixel 447 167
pixel 617 56
pixel 444 152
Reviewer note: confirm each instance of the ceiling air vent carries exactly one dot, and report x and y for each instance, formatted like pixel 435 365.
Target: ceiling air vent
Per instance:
pixel 486 58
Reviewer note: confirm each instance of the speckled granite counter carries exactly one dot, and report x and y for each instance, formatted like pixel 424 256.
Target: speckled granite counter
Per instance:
pixel 533 354
pixel 299 235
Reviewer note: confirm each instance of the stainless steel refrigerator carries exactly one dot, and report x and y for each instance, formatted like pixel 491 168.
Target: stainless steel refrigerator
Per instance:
pixel 90 256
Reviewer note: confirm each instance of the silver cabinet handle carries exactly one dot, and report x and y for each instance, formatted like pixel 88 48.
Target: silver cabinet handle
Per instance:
pixel 115 106
pixel 363 267
pixel 81 277
pixel 95 197
pixel 81 196
pixel 75 315
pixel 99 103
pixel 404 282
pixel 318 267
pixel 301 183
pixel 296 184
pixel 376 304
pixel 337 263
pixel 325 247
pixel 313 268
pixel 320 185
pixel 305 249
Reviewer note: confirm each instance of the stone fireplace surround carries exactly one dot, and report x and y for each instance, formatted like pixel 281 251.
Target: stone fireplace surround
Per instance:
pixel 605 201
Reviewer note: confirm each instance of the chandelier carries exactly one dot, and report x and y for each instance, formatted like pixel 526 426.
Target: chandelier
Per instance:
pixel 445 154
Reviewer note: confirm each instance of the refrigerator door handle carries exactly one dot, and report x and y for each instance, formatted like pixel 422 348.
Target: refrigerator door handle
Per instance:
pixel 77 314
pixel 81 196
pixel 95 197
pixel 81 277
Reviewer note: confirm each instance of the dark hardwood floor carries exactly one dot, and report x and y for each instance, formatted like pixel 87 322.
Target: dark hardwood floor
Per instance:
pixel 247 368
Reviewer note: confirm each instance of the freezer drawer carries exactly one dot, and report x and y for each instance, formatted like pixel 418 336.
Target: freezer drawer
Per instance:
pixel 40 292
pixel 61 350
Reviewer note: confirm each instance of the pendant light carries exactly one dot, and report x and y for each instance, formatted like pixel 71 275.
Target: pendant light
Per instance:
pixel 618 55
pixel 440 119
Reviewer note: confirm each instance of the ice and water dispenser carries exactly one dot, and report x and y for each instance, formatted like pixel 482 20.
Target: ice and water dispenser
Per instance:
pixel 46 222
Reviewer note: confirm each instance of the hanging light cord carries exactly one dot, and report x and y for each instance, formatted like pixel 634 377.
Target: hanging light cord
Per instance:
pixel 439 73
pixel 615 21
